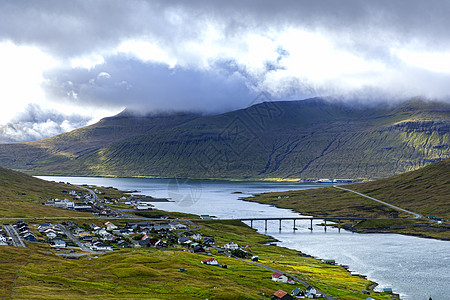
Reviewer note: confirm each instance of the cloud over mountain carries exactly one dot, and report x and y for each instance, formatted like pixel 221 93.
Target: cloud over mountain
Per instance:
pixel 217 55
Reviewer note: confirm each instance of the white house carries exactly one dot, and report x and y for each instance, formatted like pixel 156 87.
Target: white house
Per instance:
pixel 99 246
pixel 311 290
pixel 231 246
pixel 210 261
pixel 110 226
pixel 278 277
pixel 197 236
pixel 58 243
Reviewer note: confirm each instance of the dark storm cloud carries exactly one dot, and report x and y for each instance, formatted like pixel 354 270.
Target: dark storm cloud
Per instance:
pixel 149 87
pixel 192 75
pixel 79 27
pixel 36 123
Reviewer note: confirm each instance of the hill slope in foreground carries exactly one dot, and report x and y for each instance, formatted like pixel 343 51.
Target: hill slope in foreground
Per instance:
pixel 425 191
pixel 312 138
pixel 22 196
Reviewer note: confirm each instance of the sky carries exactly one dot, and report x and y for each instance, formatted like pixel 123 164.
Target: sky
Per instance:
pixel 66 64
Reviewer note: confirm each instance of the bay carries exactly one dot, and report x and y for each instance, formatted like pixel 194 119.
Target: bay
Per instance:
pixel 413 267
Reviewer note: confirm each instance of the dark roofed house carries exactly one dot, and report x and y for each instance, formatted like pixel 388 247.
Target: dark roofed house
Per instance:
pixel 297 292
pixel 281 295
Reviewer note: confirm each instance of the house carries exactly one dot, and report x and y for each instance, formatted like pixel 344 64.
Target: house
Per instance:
pixel 184 240
pixel 208 241
pixel 102 232
pixel 196 236
pixel 94 227
pixel 161 244
pixel 210 261
pixel 310 290
pixel 126 231
pixel 143 206
pixel 197 249
pixel 99 246
pixel 231 246
pixel 176 225
pixel 278 277
pixel 29 237
pixel 297 292
pixel 281 295
pixel 58 243
pixel 51 234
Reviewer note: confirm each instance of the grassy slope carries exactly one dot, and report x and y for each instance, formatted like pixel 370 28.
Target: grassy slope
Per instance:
pixel 298 139
pixel 425 191
pixel 154 274
pixel 22 196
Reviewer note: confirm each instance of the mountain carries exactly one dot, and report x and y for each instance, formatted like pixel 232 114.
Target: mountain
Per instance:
pixel 310 138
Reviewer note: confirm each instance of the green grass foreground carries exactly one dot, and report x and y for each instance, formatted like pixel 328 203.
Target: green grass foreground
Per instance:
pixel 149 273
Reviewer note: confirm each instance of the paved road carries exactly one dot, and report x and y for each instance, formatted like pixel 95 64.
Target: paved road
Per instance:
pixel 416 215
pixel 74 239
pixel 16 239
pixel 94 195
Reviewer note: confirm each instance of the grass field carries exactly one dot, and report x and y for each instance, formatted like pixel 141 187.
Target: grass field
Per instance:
pixel 149 273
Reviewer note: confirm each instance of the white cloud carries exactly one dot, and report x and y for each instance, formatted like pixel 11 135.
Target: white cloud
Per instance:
pixel 99 57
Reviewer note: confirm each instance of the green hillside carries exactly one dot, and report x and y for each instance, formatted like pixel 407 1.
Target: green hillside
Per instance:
pixel 294 139
pixel 424 191
pixel 22 196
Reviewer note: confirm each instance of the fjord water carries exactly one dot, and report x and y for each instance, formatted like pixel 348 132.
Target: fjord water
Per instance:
pixel 416 268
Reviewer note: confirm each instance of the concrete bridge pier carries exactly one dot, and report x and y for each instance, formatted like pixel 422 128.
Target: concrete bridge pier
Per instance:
pixel 325 228
pixel 294 226
pixel 265 225
pixel 311 228
pixel 339 225
pixel 280 224
pixel 251 223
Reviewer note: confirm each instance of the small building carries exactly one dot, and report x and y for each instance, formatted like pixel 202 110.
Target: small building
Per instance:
pixel 310 290
pixel 208 241
pixel 231 246
pixel 278 277
pixel 298 292
pixel 184 240
pixel 210 261
pixel 58 243
pixel 281 295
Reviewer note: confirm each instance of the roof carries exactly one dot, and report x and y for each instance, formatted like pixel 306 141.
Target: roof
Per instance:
pixel 209 259
pixel 280 293
pixel 277 275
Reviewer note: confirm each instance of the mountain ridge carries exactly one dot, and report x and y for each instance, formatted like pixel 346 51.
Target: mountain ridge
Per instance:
pixel 309 138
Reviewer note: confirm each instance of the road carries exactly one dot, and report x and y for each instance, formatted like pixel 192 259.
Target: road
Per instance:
pixel 77 241
pixel 16 240
pixel 416 215
pixel 102 205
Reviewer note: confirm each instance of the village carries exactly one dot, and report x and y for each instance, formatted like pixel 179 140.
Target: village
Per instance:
pixel 110 229
pixel 72 240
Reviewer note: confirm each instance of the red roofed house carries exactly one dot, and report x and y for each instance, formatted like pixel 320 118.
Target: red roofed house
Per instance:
pixel 282 295
pixel 278 277
pixel 210 261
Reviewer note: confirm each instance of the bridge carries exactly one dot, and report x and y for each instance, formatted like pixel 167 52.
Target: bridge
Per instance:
pixel 294 219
